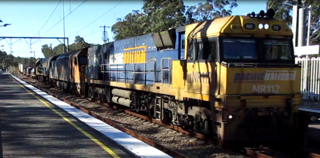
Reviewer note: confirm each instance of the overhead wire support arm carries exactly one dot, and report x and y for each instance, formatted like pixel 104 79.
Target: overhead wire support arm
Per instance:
pixel 11 37
pixel 28 43
pixel 31 37
pixel 10 44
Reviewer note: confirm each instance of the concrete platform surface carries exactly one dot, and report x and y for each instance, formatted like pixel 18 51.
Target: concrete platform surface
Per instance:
pixel 35 127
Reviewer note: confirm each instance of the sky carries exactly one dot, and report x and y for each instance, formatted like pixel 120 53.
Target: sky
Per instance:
pixel 82 17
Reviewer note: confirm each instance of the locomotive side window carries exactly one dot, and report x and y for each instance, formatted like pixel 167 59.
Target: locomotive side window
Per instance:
pixel 199 50
pixel 278 50
pixel 239 49
pixel 191 50
pixel 75 61
pixel 212 49
pixel 182 46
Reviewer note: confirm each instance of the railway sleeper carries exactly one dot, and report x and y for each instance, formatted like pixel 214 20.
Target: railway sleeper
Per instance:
pixel 190 115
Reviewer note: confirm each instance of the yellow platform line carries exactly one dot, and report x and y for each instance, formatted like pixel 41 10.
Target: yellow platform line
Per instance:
pixel 107 149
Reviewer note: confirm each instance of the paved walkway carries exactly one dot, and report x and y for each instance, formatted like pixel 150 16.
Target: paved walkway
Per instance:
pixel 32 127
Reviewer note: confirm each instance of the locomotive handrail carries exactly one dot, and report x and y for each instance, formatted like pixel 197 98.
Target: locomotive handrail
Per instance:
pixel 155 70
pixel 132 71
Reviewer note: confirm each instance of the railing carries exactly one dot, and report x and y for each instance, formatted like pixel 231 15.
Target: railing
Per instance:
pixel 145 72
pixel 310 77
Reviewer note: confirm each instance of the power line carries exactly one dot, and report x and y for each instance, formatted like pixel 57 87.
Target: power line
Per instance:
pixel 92 33
pixel 46 21
pixel 49 17
pixel 98 18
pixel 65 16
pixel 62 19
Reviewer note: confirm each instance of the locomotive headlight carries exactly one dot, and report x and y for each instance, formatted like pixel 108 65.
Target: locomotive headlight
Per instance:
pixel 230 117
pixel 266 26
pixel 260 26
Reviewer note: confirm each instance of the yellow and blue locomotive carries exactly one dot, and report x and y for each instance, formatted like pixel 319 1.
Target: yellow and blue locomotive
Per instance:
pixel 232 78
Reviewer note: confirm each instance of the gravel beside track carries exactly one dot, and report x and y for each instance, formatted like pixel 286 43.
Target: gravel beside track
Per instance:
pixel 191 147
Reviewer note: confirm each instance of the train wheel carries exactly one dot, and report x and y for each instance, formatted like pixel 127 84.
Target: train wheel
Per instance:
pixel 90 92
pixel 313 118
pixel 78 89
pixel 84 89
pixel 103 96
pixel 206 126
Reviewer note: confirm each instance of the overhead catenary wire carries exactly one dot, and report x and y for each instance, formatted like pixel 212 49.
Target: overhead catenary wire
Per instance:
pixel 46 21
pixel 49 17
pixel 63 18
pixel 97 18
pixel 92 33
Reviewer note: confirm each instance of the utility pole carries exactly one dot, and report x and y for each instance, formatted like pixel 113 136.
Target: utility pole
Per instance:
pixel 64 30
pixel 105 34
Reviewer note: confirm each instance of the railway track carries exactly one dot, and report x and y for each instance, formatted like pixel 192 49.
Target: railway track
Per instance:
pixel 263 152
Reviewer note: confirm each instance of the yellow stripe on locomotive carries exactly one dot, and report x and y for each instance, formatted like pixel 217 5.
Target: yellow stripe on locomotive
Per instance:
pixel 134 55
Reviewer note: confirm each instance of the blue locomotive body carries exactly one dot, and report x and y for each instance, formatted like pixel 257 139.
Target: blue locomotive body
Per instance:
pixel 136 60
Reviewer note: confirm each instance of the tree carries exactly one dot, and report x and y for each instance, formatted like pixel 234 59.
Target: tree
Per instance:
pixel 211 10
pixel 133 24
pixel 283 10
pixel 59 49
pixel 46 50
pixel 164 14
pixel 79 43
pixel 9 60
pixel 3 54
pixel 157 15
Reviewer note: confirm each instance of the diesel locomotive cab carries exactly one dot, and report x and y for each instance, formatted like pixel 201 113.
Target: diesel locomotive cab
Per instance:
pixel 253 86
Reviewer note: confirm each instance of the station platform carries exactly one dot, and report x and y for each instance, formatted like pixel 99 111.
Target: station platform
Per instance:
pixel 35 124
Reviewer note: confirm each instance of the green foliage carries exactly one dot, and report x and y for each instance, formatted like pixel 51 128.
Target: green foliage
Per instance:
pixel 8 60
pixel 132 24
pixel 157 15
pixel 160 15
pixel 47 51
pixel 3 54
pixel 79 43
pixel 283 9
pixel 211 10
pixel 163 14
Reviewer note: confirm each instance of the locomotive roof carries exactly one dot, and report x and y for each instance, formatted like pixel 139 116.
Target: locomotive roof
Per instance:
pixel 241 25
pixel 71 53
pixel 39 61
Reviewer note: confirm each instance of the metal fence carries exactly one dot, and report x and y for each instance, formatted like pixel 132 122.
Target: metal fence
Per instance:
pixel 310 77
